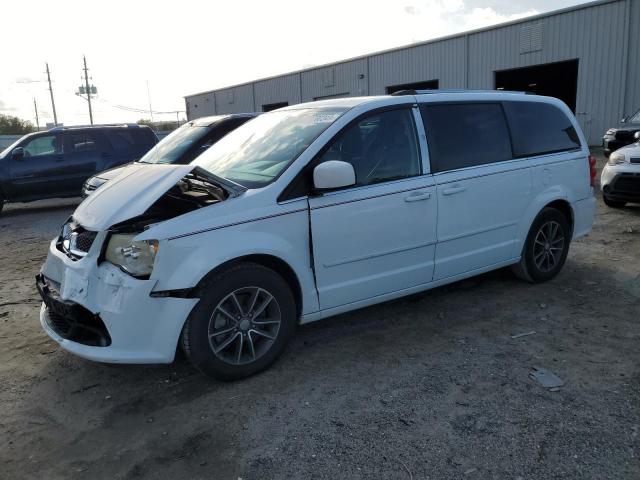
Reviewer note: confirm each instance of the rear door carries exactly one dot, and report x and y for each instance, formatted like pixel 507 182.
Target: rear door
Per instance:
pixel 482 192
pixel 40 172
pixel 83 153
pixel 378 236
pixel 127 144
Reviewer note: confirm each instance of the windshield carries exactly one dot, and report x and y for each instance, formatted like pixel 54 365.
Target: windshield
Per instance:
pixel 635 118
pixel 174 145
pixel 260 150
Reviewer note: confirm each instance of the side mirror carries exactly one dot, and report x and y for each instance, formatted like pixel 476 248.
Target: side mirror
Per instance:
pixel 623 120
pixel 333 174
pixel 17 153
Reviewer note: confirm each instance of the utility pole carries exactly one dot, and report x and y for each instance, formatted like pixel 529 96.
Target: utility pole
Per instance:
pixel 149 98
pixel 53 104
pixel 35 106
pixel 86 83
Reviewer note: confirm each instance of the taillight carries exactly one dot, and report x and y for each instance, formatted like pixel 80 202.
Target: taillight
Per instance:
pixel 592 170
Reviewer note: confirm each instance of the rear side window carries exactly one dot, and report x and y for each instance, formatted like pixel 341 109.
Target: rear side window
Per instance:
pixel 465 135
pixel 539 128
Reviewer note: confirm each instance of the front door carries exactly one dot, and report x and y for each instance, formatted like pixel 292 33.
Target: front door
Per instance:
pixel 378 236
pixel 40 171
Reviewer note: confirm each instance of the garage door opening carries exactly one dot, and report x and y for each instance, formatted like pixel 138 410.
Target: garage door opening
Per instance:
pixel 274 106
pixel 559 79
pixel 426 85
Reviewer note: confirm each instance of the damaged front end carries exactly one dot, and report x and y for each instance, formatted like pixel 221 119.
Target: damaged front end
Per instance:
pixel 194 190
pixel 96 283
pixel 197 189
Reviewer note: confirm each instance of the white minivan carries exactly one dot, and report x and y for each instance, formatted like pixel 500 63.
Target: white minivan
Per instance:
pixel 310 211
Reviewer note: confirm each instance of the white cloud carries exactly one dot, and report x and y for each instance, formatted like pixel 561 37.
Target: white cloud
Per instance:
pixel 185 47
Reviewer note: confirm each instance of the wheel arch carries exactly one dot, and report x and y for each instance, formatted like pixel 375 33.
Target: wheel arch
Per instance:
pixel 552 198
pixel 272 262
pixel 564 207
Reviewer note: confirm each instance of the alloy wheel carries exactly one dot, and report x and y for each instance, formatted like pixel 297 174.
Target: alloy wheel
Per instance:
pixel 244 325
pixel 548 246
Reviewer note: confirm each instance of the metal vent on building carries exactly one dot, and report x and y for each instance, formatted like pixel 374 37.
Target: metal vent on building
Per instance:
pixel 531 38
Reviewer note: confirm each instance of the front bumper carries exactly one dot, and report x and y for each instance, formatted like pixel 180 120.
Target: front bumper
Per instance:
pixel 621 182
pixel 140 328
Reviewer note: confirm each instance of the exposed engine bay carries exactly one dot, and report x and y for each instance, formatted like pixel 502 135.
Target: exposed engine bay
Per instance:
pixel 197 189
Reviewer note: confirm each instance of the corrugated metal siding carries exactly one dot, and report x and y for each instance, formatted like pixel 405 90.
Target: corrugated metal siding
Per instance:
pixel 633 67
pixel 567 36
pixel 444 61
pixel 200 105
pixel 341 79
pixel 274 90
pixel 235 99
pixel 603 37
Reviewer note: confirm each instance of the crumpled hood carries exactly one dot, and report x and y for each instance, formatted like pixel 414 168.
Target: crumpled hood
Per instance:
pixel 128 194
pixel 114 172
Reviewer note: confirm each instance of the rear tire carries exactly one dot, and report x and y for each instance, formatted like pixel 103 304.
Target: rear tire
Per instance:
pixel 613 203
pixel 1 203
pixel 242 323
pixel 546 247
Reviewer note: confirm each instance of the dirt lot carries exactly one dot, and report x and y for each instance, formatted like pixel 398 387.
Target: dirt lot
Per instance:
pixel 429 387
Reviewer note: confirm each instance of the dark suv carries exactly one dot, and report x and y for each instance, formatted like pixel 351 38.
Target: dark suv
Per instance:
pixel 181 146
pixel 621 135
pixel 56 163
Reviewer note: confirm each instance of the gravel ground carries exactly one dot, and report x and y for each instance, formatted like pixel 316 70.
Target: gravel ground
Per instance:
pixel 432 386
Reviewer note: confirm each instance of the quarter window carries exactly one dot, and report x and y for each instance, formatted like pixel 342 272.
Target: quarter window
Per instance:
pixel 539 128
pixel 465 135
pixel 381 147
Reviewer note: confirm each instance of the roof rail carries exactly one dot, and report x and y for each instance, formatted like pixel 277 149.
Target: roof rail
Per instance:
pixel 453 90
pixel 71 127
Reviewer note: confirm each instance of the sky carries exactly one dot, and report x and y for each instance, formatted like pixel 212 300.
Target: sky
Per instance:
pixel 180 48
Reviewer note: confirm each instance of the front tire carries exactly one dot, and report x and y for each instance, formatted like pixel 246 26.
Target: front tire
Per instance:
pixel 242 323
pixel 546 247
pixel 613 203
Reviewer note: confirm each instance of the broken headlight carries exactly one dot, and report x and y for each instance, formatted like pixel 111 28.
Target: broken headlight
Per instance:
pixel 135 258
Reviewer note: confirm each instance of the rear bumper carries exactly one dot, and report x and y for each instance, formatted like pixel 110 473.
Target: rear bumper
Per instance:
pixel 583 215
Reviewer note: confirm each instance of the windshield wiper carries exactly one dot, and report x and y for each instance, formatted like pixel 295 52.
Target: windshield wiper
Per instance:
pixel 232 188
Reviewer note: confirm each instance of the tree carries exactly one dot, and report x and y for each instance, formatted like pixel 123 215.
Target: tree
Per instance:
pixel 10 125
pixel 162 126
pixel 145 121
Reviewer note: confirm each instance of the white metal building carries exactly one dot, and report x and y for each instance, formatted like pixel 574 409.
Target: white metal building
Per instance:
pixel 588 56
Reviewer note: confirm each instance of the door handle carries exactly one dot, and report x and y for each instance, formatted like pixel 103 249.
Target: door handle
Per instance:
pixel 417 196
pixel 453 190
